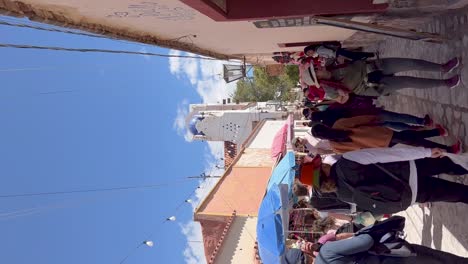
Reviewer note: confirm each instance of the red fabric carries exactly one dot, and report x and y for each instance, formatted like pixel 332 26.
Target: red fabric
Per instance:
pixel 333 84
pixel 308 168
pixel 315 93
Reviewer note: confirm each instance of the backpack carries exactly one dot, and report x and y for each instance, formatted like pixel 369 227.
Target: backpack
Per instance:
pixel 378 188
pixel 387 238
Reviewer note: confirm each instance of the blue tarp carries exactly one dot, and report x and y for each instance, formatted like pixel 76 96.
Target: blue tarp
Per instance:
pixel 272 221
pixel 284 172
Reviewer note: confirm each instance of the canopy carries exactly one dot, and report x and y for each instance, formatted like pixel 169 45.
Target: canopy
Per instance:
pixel 281 139
pixel 272 225
pixel 284 172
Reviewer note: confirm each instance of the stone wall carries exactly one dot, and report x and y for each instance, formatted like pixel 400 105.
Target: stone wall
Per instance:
pixel 405 14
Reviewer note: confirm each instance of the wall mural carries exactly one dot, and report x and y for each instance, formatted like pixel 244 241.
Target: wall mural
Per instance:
pixel 155 10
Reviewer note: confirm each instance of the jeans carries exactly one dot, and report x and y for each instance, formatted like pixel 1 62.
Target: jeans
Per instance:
pixel 390 83
pixel 426 255
pixel 431 189
pixel 399 121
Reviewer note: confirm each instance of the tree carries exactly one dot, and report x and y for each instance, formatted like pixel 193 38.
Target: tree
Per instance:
pixel 262 87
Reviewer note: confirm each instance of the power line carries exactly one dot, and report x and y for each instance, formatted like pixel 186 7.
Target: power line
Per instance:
pixel 203 176
pixel 92 190
pixel 21 25
pixel 21 46
pixel 25 69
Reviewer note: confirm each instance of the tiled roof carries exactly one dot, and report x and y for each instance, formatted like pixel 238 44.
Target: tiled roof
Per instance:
pixel 256 256
pixel 230 152
pixel 214 232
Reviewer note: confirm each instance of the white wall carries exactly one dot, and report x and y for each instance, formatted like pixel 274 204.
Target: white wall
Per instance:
pixel 238 246
pixel 265 136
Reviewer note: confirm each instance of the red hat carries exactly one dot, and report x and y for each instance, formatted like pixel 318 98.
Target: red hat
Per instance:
pixel 310 171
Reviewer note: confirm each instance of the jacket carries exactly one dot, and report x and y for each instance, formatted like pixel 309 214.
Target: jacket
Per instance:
pixel 366 133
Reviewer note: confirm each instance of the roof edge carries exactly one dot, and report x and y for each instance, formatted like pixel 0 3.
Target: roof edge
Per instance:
pixel 38 13
pixel 221 240
pixel 229 169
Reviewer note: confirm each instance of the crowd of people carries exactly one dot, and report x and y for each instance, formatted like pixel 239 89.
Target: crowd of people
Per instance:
pixel 362 163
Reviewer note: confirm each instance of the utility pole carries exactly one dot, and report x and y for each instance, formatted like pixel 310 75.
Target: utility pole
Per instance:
pixel 204 176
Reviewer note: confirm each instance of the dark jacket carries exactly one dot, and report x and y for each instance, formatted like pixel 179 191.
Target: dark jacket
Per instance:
pixel 327 201
pixel 378 188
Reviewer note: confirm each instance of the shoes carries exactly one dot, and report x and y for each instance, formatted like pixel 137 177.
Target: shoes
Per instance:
pixel 453 82
pixel 442 130
pixel 456 148
pixel 451 65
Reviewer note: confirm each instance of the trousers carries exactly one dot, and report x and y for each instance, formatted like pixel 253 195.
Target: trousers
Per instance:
pixel 432 189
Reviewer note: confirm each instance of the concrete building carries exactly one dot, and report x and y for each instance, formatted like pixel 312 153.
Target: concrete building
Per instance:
pixel 228 215
pixel 229 122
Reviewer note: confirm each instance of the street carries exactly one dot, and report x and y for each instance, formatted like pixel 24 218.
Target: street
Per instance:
pixel 444 225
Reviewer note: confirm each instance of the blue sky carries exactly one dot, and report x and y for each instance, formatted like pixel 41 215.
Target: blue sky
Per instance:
pixel 81 121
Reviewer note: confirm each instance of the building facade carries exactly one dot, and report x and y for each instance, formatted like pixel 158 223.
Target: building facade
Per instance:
pixel 228 215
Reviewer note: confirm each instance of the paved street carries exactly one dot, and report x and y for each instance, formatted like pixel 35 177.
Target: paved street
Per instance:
pixel 444 226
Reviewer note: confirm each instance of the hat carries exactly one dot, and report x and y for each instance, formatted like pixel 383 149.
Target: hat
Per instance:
pixel 309 76
pixel 310 171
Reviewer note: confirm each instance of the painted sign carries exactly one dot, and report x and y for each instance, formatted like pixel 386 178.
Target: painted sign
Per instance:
pixel 155 10
pixel 285 22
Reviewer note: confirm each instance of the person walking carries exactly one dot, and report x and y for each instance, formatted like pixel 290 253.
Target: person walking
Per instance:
pixel 393 120
pixel 377 77
pixel 356 250
pixel 332 51
pixel 360 132
pixel 389 180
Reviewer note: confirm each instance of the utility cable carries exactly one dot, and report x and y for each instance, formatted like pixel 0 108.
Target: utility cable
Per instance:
pixel 150 186
pixel 21 46
pixel 21 25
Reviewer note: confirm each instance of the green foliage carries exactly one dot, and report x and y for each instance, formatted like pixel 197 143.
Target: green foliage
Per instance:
pixel 263 87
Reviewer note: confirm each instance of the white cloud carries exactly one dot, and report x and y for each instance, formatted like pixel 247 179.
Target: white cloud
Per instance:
pixel 174 62
pixel 184 67
pixel 205 77
pixel 179 121
pixel 194 252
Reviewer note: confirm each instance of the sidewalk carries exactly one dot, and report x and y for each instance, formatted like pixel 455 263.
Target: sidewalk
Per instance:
pixel 444 226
